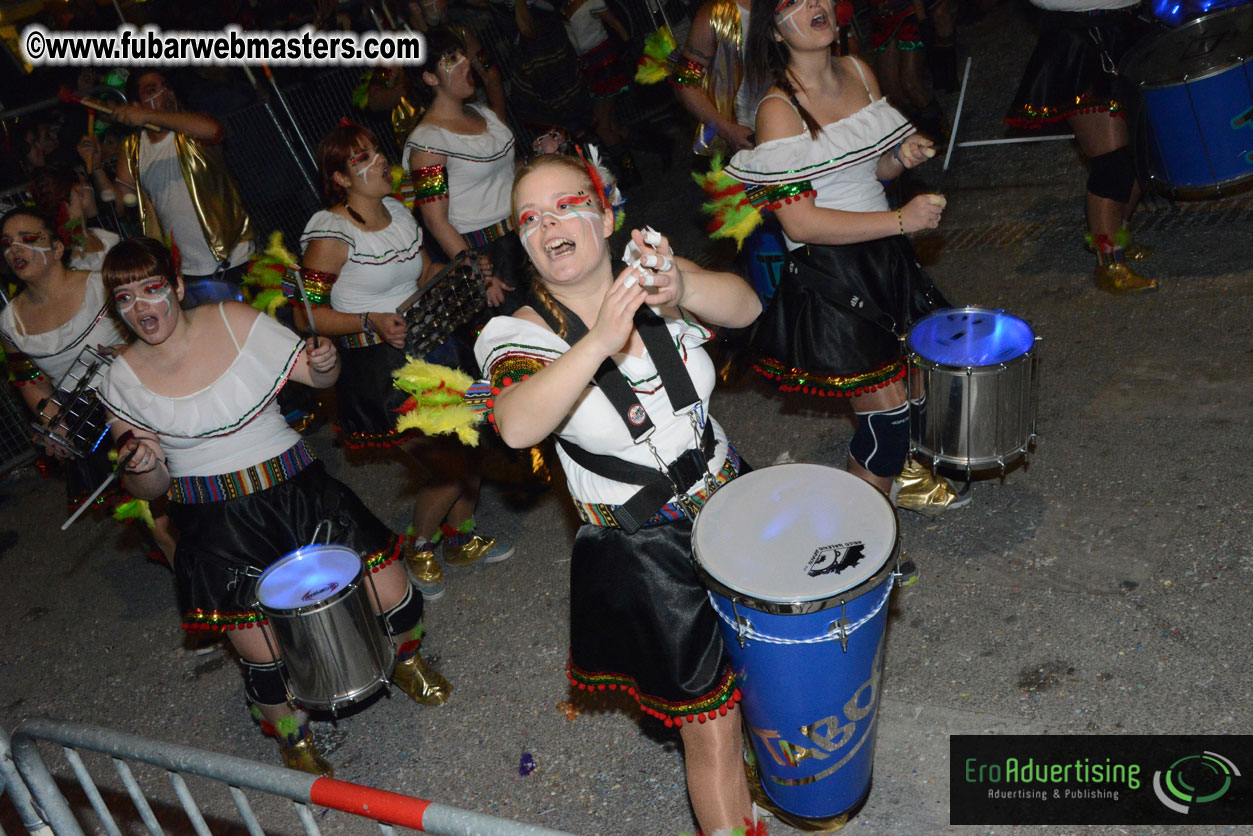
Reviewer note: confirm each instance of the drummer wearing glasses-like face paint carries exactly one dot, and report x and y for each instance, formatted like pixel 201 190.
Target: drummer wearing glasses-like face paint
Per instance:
pixel 640 619
pixel 195 417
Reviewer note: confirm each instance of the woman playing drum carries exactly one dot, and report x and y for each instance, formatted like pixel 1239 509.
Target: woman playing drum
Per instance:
pixel 363 257
pixel 826 138
pixel 59 313
pixel 196 418
pixel 640 619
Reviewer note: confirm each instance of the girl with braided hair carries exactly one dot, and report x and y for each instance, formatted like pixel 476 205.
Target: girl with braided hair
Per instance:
pixel 851 286
pixel 640 620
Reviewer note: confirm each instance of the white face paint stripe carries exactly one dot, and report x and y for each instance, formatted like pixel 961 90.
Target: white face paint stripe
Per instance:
pixel 164 296
pixel 43 251
pixel 362 172
pixel 786 20
pixel 588 216
pixel 461 59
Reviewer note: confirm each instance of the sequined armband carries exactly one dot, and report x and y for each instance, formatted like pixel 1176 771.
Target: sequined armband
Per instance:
pixel 317 286
pixel 687 73
pixel 430 183
pixel 770 198
pixel 22 369
pixel 514 368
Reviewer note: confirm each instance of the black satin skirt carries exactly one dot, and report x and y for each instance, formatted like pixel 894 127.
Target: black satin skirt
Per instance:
pixel 640 620
pixel 224 546
pixel 1072 68
pixel 838 310
pixel 366 398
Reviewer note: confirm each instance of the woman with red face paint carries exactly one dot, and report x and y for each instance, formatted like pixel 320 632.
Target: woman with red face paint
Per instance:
pixel 196 418
pixel 640 619
pixel 363 257
pixel 58 313
pixel 826 139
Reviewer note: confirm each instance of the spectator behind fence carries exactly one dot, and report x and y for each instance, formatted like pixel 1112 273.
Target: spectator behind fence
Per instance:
pixel 461 158
pixel 71 203
pixel 548 86
pixel 179 179
pixel 363 257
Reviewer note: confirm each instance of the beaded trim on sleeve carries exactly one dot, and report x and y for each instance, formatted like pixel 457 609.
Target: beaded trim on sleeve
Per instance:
pixel 770 198
pixel 688 73
pixel 430 183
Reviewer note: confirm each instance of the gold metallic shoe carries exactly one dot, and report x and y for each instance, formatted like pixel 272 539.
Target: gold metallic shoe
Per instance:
pixel 1134 251
pixel 1120 280
pixel 420 681
pixel 425 571
pixel 917 489
pixel 476 547
pixel 304 756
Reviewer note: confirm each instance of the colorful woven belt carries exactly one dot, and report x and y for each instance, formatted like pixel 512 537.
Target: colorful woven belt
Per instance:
pixel 361 339
pixel 192 490
pixel 599 513
pixel 488 234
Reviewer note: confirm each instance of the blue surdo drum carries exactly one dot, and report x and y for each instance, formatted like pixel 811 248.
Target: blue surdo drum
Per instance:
pixel 972 387
pixel 1196 85
pixel 316 603
pixel 799 560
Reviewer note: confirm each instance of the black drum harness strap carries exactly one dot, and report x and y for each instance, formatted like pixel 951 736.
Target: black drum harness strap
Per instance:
pixel 667 481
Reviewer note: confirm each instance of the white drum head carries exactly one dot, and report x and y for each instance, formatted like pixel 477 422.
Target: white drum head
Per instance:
pixel 307 576
pixel 794 532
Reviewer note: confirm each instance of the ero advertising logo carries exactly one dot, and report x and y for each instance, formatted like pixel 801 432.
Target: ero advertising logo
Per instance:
pixel 1100 779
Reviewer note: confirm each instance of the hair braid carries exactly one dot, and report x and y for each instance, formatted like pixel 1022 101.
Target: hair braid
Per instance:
pixel 545 298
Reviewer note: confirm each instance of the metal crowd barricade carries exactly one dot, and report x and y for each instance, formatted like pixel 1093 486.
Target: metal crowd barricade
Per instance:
pixel 11 784
pixel 182 763
pixel 16 448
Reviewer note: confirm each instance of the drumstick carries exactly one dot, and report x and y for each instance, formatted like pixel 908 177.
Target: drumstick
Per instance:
pixel 304 297
pixel 67 95
pixel 91 132
pixel 952 136
pixel 103 485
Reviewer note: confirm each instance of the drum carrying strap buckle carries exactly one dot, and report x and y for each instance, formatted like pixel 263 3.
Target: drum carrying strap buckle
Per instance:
pixel 682 500
pixel 841 628
pixel 330 526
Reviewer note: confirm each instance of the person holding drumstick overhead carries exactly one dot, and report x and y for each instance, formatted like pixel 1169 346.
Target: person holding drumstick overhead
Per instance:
pixel 851 286
pixel 640 619
pixel 195 417
pixel 363 256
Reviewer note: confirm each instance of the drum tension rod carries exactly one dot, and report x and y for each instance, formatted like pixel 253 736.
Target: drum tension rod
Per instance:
pixel 742 625
pixel 842 627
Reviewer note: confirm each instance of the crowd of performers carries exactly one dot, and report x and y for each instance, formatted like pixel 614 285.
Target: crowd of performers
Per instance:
pixel 608 362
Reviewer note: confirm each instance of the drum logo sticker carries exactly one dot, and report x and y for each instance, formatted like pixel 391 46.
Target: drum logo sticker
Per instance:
pixel 320 592
pixel 636 415
pixel 835 559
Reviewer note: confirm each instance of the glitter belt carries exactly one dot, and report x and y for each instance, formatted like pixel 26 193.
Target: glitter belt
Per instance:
pixel 599 513
pixel 361 339
pixel 488 234
pixel 192 490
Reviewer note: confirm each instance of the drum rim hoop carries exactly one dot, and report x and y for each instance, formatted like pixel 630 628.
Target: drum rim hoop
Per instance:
pixel 909 346
pixel 814 605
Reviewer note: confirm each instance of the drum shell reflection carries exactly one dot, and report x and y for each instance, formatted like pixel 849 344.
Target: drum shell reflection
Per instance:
pixel 808 667
pixel 334 650
pixel 975 414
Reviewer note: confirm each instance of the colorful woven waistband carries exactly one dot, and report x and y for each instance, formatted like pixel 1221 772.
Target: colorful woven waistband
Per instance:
pixel 361 339
pixel 488 234
pixel 192 490
pixel 599 513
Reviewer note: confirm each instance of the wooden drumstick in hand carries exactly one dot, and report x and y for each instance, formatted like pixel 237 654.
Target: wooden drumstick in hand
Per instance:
pixel 67 95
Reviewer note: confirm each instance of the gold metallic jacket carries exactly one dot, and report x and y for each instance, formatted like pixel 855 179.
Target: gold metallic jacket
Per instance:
pixel 219 209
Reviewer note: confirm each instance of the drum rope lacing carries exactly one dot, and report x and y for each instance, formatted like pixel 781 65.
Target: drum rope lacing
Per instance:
pixel 746 630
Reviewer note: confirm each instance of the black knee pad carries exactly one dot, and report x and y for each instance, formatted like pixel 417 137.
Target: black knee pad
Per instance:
pixel 401 619
pixel 881 440
pixel 1113 175
pixel 263 683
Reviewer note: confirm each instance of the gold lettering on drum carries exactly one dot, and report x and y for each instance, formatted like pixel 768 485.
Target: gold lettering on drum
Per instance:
pixel 827 735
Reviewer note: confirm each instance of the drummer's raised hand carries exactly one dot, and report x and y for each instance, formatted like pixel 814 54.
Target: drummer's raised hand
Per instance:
pixel 322 354
pixel 389 326
pixel 660 274
pixel 923 212
pixel 616 318
pixel 147 455
pixel 915 150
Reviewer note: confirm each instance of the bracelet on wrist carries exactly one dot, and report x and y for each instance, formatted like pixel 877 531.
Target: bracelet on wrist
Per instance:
pixel 900 221
pixel 367 326
pixel 896 153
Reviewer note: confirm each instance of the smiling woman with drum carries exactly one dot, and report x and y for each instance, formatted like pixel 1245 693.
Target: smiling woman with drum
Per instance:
pixel 196 418
pixel 851 286
pixel 640 618
pixel 363 257
pixel 59 313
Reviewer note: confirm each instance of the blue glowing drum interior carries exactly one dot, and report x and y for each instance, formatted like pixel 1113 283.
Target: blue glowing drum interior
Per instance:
pixel 798 559
pixel 1197 91
pixel 972 387
pixel 315 601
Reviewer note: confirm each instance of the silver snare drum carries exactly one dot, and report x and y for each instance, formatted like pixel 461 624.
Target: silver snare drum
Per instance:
pixel 334 651
pixel 972 387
